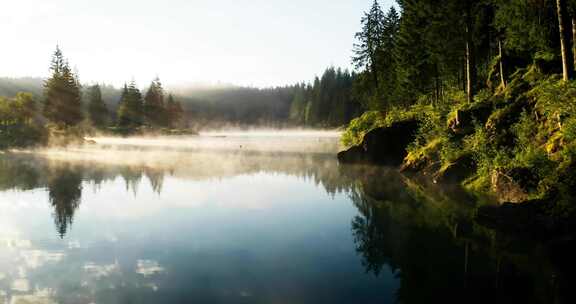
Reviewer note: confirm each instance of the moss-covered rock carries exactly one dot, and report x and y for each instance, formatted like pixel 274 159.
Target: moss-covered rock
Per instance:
pixel 424 160
pixel 383 146
pixel 504 118
pixel 457 170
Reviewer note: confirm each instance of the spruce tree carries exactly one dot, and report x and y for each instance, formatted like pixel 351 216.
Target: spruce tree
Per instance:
pixel 174 112
pixel 97 109
pixel 62 94
pixel 154 108
pixel 369 43
pixel 389 60
pixel 130 109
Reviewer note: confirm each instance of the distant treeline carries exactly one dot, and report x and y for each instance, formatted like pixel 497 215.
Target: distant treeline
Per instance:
pixel 329 101
pixel 325 102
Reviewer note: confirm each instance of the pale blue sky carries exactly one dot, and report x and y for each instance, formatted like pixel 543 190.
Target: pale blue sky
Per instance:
pixel 244 42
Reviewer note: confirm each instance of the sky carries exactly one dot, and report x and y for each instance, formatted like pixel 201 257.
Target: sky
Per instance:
pixel 258 43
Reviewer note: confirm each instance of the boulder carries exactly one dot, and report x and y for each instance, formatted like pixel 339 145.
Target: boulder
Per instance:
pixel 354 155
pixel 383 146
pixel 415 165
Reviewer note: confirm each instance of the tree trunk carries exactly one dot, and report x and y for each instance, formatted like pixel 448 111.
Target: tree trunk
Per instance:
pixel 470 60
pixel 437 83
pixel 574 39
pixel 565 46
pixel 502 70
pixel 464 73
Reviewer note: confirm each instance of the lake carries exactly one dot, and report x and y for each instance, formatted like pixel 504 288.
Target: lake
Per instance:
pixel 256 217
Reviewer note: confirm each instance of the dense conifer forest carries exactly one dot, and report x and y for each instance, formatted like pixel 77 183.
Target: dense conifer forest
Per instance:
pixel 482 93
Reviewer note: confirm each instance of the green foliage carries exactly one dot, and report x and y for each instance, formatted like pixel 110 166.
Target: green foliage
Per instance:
pixel 130 110
pixel 328 102
pixel 527 25
pixel 518 116
pixel 154 110
pixel 62 93
pixel 374 56
pixel 19 123
pixel 358 127
pixel 97 109
pixel 174 112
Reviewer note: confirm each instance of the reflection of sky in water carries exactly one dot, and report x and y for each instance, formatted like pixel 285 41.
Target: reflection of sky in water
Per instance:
pixel 249 237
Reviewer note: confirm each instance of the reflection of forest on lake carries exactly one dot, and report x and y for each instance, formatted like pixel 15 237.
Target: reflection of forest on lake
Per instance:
pixel 65 173
pixel 429 237
pixel 425 234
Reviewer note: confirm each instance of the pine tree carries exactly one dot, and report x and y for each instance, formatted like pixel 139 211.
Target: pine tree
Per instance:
pixel 97 109
pixel 62 93
pixel 389 60
pixel 154 108
pixel 174 112
pixel 369 43
pixel 130 110
pixel 298 104
pixel 326 102
pixel 526 27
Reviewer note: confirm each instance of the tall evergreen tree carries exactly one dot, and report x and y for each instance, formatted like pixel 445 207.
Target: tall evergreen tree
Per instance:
pixel 298 104
pixel 62 93
pixel 154 108
pixel 388 59
pixel 369 43
pixel 174 112
pixel 414 59
pixel 97 109
pixel 526 27
pixel 327 102
pixel 130 109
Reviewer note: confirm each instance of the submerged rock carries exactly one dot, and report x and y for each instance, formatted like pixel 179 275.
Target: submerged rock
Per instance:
pixel 383 146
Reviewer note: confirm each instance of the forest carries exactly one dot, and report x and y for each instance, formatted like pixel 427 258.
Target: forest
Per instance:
pixel 75 108
pixel 481 93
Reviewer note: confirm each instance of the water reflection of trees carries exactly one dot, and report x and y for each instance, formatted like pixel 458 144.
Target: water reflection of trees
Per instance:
pixel 64 193
pixel 425 234
pixel 64 178
pixel 428 237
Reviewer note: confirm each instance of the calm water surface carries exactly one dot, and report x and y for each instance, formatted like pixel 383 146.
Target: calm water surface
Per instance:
pixel 248 218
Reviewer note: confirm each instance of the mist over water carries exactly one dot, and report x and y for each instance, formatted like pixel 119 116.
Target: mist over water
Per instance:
pixel 262 140
pixel 209 154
